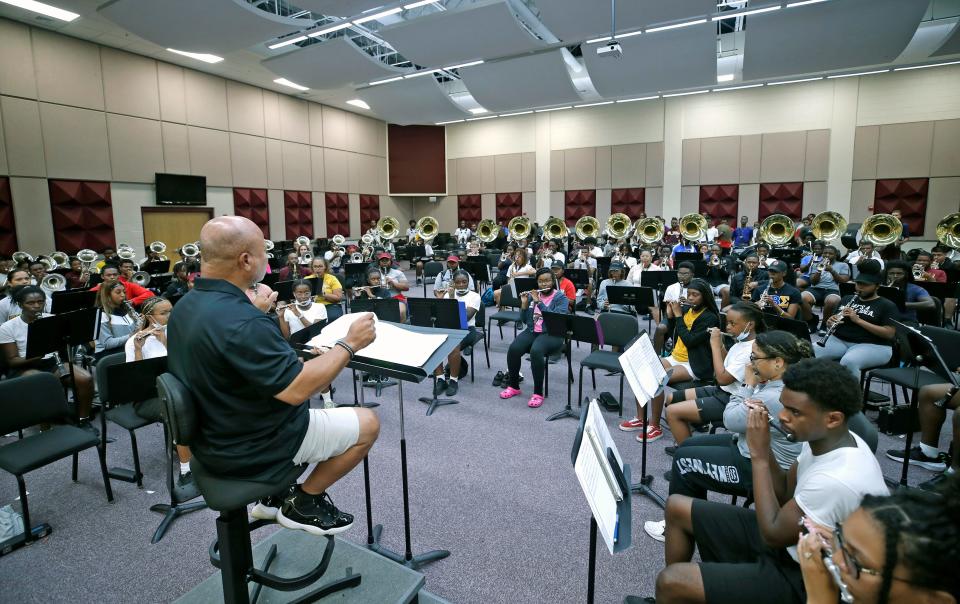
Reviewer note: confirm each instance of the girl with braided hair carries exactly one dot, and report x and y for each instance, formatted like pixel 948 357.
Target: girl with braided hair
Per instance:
pixel 891 550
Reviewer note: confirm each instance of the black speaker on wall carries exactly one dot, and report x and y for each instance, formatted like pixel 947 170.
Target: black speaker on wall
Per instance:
pixel 181 189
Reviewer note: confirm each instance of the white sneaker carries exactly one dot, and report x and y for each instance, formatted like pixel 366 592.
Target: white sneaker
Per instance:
pixel 656 529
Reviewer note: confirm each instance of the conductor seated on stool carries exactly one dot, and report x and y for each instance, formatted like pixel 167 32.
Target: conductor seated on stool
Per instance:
pixel 251 391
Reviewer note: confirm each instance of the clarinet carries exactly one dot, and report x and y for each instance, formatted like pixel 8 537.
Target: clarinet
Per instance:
pixel 765 291
pixel 823 341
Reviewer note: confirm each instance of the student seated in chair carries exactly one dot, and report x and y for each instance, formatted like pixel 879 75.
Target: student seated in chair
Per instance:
pixel 458 289
pixel 750 555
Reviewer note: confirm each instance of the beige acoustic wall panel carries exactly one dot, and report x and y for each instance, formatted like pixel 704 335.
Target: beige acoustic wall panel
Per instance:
pixel 488 178
pixel 452 177
pixel 817 160
pixel 603 205
pixel 210 156
pixel 315 116
pixel 508 171
pixel 604 167
pixel 31 198
pixel 294 120
pixel 690 163
pixel 866 145
pixel 862 194
pixel 488 205
pixel 750 147
pixel 127 199
pixel 556 171
pixel 176 148
pixel 653 201
pixel 814 197
pixel 470 175
pixel 749 204
pixel 68 70
pixel 221 200
pixel 206 100
pixel 580 168
pixel 365 135
pixel 319 214
pixel 296 166
pixel 904 150
pixel 782 157
pixel 316 168
pixel 528 205
pixel 720 160
pixel 245 108
pixel 274 164
pixel 17 77
pixel 136 148
pixel 278 227
pixel 528 165
pixel 248 160
pixel 364 174
pixel 942 199
pixel 130 84
pixel 173 96
pixel 356 229
pixel 22 136
pixel 75 142
pixel 271 114
pixel 335 170
pixel 334 128
pixel 399 208
pixel 946 148
pixel 689 199
pixel 654 165
pixel 556 204
pixel 628 166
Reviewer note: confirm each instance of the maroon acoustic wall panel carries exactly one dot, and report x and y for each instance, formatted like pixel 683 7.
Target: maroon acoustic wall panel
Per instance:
pixel 628 201
pixel 82 215
pixel 298 213
pixel 577 204
pixel 369 210
pixel 417 156
pixel 909 195
pixel 720 201
pixel 781 198
pixel 509 205
pixel 338 214
pixel 252 204
pixel 468 209
pixel 8 223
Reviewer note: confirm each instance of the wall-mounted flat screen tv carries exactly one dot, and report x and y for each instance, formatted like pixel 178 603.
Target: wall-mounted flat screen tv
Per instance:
pixel 181 189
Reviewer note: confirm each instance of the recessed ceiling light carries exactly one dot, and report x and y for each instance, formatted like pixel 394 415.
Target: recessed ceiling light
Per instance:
pixel 486 117
pixel 358 103
pixel 478 110
pixel 376 82
pixel 331 29
pixel 594 104
pixel 850 75
pixel 421 73
pixel 418 4
pixel 925 66
pixel 294 85
pixel 804 2
pixel 676 25
pixel 727 77
pixel 642 98
pixel 794 81
pixel 379 15
pixel 666 96
pixel 287 42
pixel 737 87
pixel 450 122
pixel 43 9
pixel 597 40
pixel 630 34
pixel 554 109
pixel 516 113
pixel 733 15
pixel 470 64
pixel 206 58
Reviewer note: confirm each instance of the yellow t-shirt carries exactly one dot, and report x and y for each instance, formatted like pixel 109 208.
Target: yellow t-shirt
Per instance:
pixel 680 352
pixel 330 283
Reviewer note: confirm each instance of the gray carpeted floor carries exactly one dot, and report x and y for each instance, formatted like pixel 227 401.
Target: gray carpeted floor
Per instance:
pixel 490 480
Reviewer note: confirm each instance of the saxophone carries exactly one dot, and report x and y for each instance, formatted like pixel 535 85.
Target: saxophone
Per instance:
pixel 823 340
pixel 745 294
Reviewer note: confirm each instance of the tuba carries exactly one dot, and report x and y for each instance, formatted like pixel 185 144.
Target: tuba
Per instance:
pixel 48 263
pixel 126 254
pixel 586 227
pixel 19 257
pixel 269 247
pixel 388 228
pixel 427 228
pixel 158 247
pixel 776 230
pixel 61 259
pixel 555 228
pixel 302 240
pixel 693 227
pixel 519 228
pixel 648 230
pixel 618 225
pixel 54 282
pixel 141 278
pixel 487 230
pixel 87 259
pixel 338 240
pixel 190 251
pixel 881 229
pixel 828 226
pixel 948 230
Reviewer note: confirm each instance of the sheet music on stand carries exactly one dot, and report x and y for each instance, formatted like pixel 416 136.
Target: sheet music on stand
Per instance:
pixel 643 370
pixel 392 343
pixel 597 478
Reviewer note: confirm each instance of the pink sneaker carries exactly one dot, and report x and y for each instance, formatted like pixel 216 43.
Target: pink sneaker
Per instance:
pixel 509 392
pixel 653 433
pixel 535 401
pixel 631 425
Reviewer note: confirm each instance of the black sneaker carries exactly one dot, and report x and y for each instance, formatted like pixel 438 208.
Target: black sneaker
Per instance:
pixel 917 458
pixel 439 387
pixel 668 475
pixel 670 451
pixel 185 479
pixel 935 483
pixel 498 379
pixel 267 508
pixel 452 387
pixel 315 514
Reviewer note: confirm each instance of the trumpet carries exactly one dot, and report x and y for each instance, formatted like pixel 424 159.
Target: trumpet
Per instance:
pixel 824 264
pixel 833 327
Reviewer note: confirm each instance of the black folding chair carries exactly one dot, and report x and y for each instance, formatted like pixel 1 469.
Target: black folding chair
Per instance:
pixel 430 272
pixel 618 330
pixel 120 413
pixel 514 316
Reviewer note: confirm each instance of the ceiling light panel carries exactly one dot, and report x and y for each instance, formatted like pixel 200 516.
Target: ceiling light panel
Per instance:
pixel 416 101
pixel 575 20
pixel 199 56
pixel 44 9
pixel 515 84
pixel 328 65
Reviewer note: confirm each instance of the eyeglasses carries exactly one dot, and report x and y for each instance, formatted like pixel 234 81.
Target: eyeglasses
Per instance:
pixel 850 561
pixel 754 358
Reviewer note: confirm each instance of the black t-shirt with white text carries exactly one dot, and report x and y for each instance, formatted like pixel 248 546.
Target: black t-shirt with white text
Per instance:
pixel 783 296
pixel 878 311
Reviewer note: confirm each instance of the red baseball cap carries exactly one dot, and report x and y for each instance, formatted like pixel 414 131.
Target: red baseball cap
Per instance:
pixel 383 255
pixel 453 258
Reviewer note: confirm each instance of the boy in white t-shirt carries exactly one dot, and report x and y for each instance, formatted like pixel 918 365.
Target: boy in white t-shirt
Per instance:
pixel 750 555
pixel 460 291
pixel 303 313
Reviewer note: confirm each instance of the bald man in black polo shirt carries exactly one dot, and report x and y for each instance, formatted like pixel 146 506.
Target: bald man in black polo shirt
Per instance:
pixel 251 389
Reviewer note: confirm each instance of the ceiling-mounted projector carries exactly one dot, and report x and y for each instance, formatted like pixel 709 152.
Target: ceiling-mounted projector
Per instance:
pixel 610 49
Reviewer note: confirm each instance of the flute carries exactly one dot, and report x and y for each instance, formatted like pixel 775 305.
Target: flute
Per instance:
pixel 832 569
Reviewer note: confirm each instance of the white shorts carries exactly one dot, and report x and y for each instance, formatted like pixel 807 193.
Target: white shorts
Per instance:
pixel 717 288
pixel 330 433
pixel 685 364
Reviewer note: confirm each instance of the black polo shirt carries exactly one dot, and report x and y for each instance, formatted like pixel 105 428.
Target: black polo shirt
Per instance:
pixel 233 358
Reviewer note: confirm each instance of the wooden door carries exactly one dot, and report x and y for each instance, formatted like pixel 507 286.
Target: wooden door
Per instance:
pixel 174 226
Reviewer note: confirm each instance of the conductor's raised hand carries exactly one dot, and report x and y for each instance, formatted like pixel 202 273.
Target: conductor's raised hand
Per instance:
pixel 265 303
pixel 362 332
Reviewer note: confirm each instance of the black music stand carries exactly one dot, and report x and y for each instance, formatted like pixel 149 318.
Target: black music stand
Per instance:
pixel 658 280
pixel 435 312
pixel 580 277
pixel 156 267
pixel 798 328
pixel 570 327
pixel 642 486
pixel 284 290
pixel 603 268
pixel 57 333
pixel 298 341
pixel 631 295
pixel 403 373
pixel 523 284
pixel 687 257
pixel 270 279
pixel 68 301
pixel 355 274
pixel 479 270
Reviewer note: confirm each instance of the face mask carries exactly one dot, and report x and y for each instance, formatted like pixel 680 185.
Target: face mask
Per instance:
pixel 462 292
pixel 743 335
pixel 305 303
